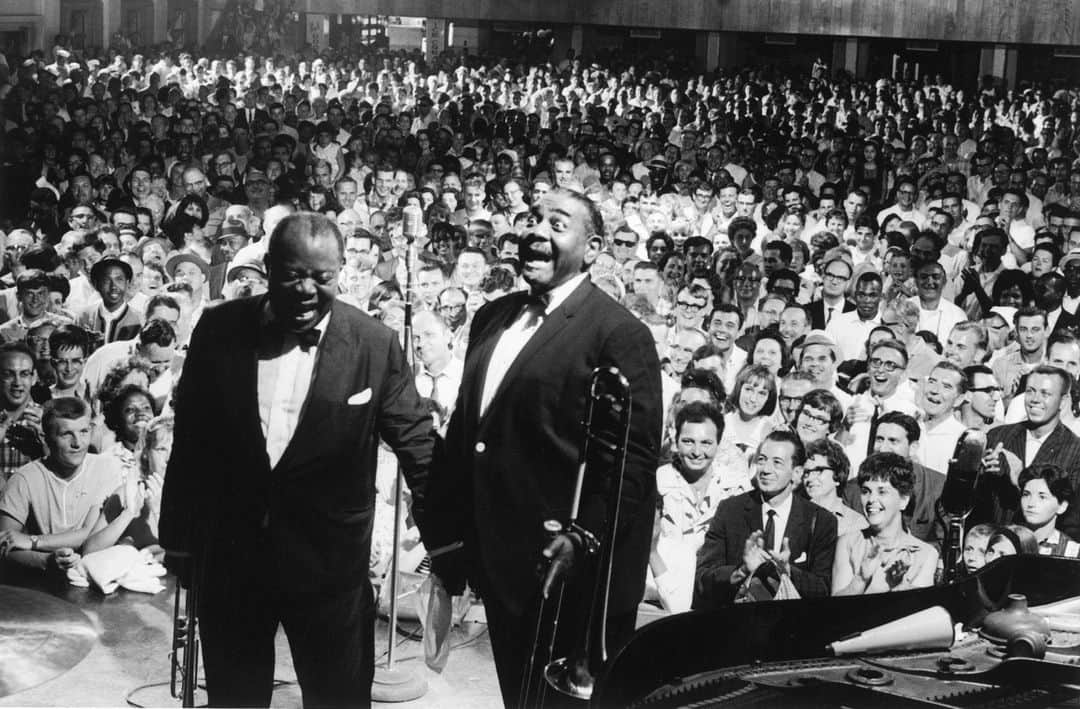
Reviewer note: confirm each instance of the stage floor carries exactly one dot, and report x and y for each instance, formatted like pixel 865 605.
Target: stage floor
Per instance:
pixel 131 656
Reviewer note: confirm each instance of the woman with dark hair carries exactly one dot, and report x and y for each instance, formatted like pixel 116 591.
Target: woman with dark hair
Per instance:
pixel 770 351
pixel 126 415
pixel 820 416
pixel 824 473
pixel 1012 289
pixel 194 206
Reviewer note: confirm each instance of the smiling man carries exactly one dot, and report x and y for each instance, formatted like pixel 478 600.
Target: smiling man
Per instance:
pixel 112 318
pixel 942 394
pixel 760 534
pixel 512 442
pixel 278 413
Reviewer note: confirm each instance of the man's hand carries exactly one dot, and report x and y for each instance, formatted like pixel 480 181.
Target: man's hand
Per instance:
pixel 754 554
pixel 65 558
pixel 560 554
pixel 11 540
pixel 992 460
pixel 782 559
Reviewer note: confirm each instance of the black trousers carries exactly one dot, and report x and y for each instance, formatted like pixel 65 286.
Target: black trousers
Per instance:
pixel 512 638
pixel 331 636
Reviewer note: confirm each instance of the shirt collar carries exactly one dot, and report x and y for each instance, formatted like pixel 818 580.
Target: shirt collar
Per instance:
pixel 558 295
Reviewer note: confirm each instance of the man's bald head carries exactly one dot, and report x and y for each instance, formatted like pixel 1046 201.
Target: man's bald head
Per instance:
pixel 300 225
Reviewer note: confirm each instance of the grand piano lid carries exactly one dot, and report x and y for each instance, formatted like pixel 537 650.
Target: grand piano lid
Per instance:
pixel 799 631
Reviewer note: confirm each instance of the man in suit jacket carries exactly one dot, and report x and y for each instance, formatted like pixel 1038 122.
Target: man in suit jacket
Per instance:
pixel 761 533
pixel 1042 438
pixel 835 276
pixel 279 411
pixel 513 441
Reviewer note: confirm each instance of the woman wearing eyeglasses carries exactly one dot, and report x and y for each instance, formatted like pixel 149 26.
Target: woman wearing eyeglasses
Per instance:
pixel 825 470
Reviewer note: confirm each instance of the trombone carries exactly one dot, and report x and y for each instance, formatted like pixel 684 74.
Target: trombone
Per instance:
pixel 184 656
pixel 603 457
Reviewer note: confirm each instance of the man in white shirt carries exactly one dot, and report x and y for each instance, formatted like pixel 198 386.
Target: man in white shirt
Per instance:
pixel 440 371
pixel 50 506
pixel 724 325
pixel 936 315
pixel 851 329
pixel 941 429
pixel 906 191
pixel 889 390
pixel 819 358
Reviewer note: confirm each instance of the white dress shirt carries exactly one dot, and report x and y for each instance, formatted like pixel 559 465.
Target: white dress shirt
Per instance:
pixel 936 445
pixel 940 320
pixel 515 337
pixel 442 387
pixel 284 382
pixel 850 333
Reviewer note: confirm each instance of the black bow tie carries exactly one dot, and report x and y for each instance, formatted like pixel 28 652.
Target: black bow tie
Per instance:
pixel 308 338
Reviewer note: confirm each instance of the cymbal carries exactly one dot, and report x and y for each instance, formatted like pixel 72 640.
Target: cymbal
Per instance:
pixel 41 637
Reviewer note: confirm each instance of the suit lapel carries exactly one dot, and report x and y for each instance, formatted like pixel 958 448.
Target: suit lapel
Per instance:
pixel 246 378
pixel 476 364
pixel 1048 451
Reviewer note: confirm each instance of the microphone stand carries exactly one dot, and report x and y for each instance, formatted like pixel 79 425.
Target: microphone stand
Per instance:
pixel 390 684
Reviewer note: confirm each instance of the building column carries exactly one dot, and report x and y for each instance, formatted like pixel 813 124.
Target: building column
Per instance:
pixel 999 61
pixel 160 28
pixel 110 20
pixel 435 36
pixel 49 27
pixel 576 41
pixel 852 55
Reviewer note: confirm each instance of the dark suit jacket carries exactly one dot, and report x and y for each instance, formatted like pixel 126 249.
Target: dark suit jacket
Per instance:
pixel 1066 323
pixel 817 312
pixel 507 471
pixel 921 517
pixel 811 533
pixel 261 116
pixel 306 524
pixel 997 501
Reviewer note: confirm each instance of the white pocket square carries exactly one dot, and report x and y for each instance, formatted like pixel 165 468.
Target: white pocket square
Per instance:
pixel 801 559
pixel 360 398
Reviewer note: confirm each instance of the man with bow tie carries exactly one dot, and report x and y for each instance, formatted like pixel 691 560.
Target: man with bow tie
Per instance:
pixel 512 443
pixel 271 483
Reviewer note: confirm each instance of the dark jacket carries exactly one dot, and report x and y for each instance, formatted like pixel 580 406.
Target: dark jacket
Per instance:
pixel 504 473
pixel 997 500
pixel 811 533
pixel 304 525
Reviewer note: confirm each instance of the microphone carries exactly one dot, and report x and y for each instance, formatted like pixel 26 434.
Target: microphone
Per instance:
pixel 957 496
pixel 411 220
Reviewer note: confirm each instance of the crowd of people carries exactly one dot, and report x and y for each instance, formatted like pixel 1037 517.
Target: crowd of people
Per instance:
pixel 840 276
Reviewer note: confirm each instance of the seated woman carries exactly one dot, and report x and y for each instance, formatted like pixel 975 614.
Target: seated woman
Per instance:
pixel 1045 492
pixel 820 416
pixel 135 370
pixel 884 556
pixel 1011 540
pixel 688 493
pixel 130 515
pixel 126 415
pixel 825 471
pixel 749 418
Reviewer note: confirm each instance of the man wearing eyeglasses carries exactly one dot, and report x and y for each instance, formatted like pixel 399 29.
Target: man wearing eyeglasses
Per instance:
pixel 624 244
pixel 980 407
pixel 690 303
pixel 32 293
pixel 906 191
pixel 889 390
pixel 835 277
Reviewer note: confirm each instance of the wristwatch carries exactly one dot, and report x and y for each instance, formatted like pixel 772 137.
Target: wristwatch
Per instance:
pixel 33 542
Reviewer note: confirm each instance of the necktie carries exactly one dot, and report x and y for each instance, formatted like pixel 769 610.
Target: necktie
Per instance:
pixel 828 316
pixel 873 428
pixel 770 530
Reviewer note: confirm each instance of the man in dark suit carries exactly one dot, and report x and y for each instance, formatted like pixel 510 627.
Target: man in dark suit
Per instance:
pixel 765 532
pixel 271 483
pixel 1042 438
pixel 1050 289
pixel 513 441
pixel 835 276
